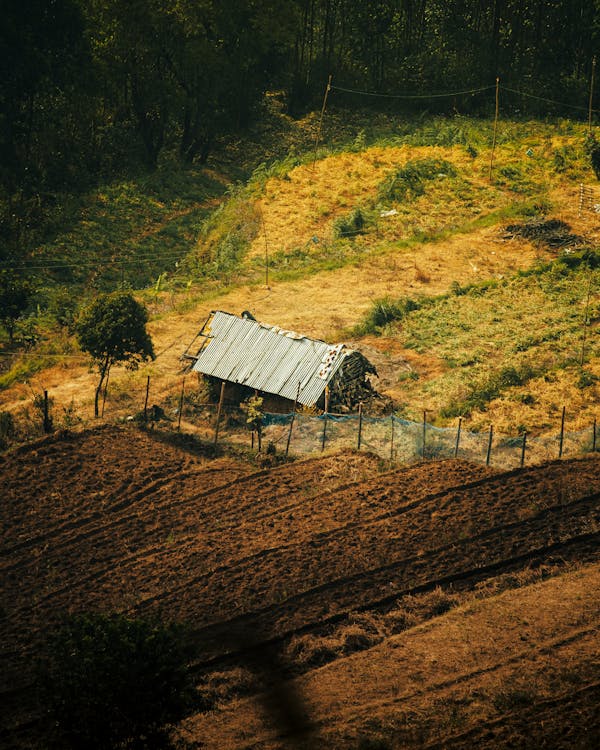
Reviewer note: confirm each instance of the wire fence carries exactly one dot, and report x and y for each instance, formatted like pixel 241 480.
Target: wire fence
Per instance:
pixel 391 437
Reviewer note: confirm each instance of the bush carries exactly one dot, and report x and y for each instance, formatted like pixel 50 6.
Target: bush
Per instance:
pixel 110 681
pixel 409 181
pixel 384 311
pixel 350 226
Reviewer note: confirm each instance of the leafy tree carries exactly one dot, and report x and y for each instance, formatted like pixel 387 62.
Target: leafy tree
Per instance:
pixel 110 681
pixel 112 329
pixel 15 293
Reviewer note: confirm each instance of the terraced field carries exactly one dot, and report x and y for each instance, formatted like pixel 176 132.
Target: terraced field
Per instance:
pixel 392 606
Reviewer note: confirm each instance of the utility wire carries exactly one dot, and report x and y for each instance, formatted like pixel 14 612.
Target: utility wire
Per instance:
pixel 412 96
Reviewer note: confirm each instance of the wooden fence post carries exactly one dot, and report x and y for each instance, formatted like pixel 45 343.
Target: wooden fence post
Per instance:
pixel 180 404
pixel 562 432
pixel 392 440
pixel 360 419
pixel 424 433
pixel 457 437
pixel 289 437
pixel 594 436
pixel 489 448
pixel 146 400
pixel 47 420
pixel 523 447
pixel 221 397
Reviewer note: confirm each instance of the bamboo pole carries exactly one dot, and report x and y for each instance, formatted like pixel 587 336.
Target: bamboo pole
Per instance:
pixel 489 447
pixel 457 437
pixel 392 439
pixel 146 400
pixel 180 404
pixel 523 447
pixel 360 422
pixel 221 397
pixel 591 94
pixel 495 126
pixel 318 138
pixel 424 433
pixel 562 432
pixel 289 437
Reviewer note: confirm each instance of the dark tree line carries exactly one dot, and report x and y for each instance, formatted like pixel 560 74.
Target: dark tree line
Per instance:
pixel 91 88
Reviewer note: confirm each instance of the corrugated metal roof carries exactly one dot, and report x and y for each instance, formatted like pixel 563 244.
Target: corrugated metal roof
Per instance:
pixel 268 358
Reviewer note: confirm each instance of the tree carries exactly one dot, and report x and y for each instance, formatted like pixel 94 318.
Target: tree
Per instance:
pixel 14 298
pixel 109 681
pixel 112 329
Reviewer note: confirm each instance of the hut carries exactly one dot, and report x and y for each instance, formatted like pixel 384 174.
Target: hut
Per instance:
pixel 281 365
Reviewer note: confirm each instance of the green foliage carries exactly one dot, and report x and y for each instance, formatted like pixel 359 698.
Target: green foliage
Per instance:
pixel 385 311
pixel 110 681
pixel 7 429
pixel 592 150
pixel 409 181
pixel 488 389
pixel 112 329
pixel 351 225
pixel 15 293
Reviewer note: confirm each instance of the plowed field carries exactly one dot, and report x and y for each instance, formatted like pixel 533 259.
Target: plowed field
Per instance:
pixel 439 604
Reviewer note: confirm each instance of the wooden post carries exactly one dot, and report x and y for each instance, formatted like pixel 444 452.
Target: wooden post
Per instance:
pixel 495 126
pixel 146 400
pixel 594 436
pixel 392 440
pixel 318 138
pixel 457 437
pixel 221 397
pixel 591 94
pixel 424 433
pixel 360 418
pixel 105 392
pixel 562 433
pixel 585 322
pixel 325 419
pixel 47 421
pixel 180 404
pixel 523 447
pixel 289 437
pixel 489 448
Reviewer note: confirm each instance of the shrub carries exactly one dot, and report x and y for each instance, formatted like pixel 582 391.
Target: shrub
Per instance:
pixel 350 226
pixel 384 311
pixel 409 181
pixel 110 681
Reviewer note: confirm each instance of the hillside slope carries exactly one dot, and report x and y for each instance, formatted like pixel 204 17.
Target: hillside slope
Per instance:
pixel 280 571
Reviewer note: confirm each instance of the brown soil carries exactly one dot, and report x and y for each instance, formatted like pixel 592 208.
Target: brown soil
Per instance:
pixel 324 582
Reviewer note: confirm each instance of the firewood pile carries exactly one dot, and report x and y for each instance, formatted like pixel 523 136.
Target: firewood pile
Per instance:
pixel 553 233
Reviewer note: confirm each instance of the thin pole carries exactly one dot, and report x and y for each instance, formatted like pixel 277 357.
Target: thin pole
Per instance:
pixel 523 448
pixel 424 432
pixel 47 423
pixel 360 420
pixel 222 395
pixel 325 419
pixel 585 321
pixel 495 125
pixel 289 437
pixel 591 94
pixel 594 436
pixel 146 400
pixel 264 228
pixel 392 440
pixel 562 432
pixel 457 437
pixel 105 392
pixel 318 138
pixel 489 448
pixel 180 404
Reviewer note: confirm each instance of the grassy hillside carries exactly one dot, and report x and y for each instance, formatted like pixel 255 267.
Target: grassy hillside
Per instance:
pixel 474 279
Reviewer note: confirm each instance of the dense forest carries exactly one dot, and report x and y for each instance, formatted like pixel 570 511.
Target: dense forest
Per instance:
pixel 94 88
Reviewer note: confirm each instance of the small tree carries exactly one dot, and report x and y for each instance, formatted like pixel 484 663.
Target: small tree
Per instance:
pixel 15 293
pixel 113 329
pixel 109 681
